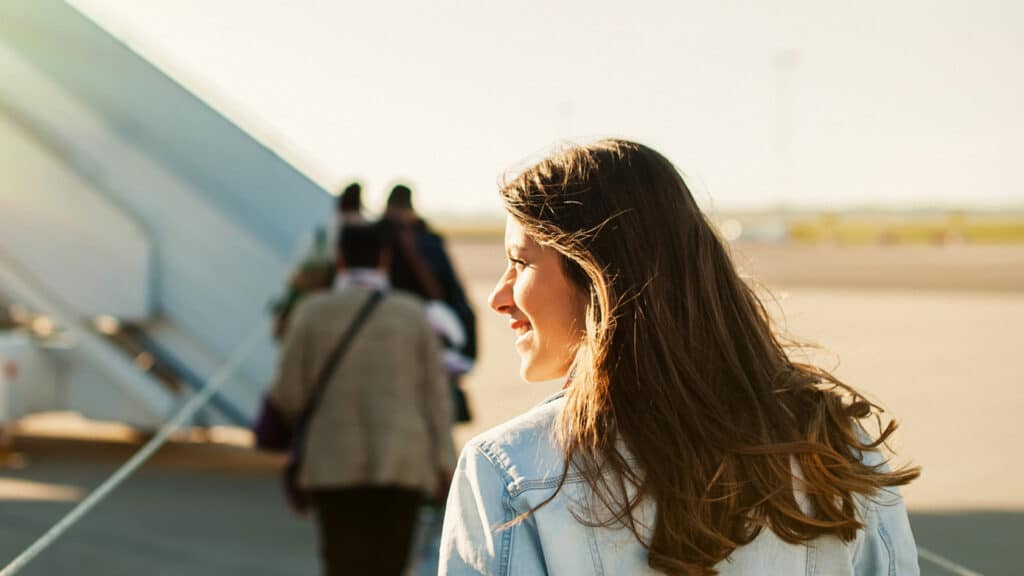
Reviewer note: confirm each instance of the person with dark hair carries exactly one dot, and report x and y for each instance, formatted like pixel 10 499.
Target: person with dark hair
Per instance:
pixel 420 264
pixel 314 269
pixel 349 205
pixel 686 439
pixel 378 436
pixel 400 198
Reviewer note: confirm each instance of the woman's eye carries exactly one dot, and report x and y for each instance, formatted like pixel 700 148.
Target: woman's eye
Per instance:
pixel 519 264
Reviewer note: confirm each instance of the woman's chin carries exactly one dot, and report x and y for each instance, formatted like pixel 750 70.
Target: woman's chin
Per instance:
pixel 529 372
pixel 525 372
pixel 533 373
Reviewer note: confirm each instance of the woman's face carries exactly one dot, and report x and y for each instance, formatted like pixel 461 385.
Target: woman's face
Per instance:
pixel 544 308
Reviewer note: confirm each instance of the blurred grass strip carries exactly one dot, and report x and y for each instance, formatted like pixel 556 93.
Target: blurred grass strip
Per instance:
pixel 895 229
pixel 852 229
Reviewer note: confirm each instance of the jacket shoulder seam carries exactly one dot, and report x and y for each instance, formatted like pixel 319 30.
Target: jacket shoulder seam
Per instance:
pixel 515 487
pixel 499 460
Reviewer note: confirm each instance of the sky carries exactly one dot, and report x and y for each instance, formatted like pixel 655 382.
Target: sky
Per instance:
pixel 761 104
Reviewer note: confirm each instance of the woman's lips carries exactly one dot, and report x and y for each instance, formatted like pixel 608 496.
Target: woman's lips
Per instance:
pixel 522 328
pixel 519 325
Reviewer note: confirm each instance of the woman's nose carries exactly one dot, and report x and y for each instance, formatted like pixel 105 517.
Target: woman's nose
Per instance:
pixel 500 299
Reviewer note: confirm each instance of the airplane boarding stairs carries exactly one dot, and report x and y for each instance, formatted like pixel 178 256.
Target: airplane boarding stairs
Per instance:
pixel 127 200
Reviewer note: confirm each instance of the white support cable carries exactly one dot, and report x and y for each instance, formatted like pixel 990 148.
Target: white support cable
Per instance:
pixel 940 561
pixel 114 480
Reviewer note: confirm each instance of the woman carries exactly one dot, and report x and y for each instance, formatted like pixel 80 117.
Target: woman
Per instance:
pixel 685 440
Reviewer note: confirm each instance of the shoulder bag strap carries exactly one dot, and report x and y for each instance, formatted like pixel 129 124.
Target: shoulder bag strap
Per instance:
pixel 331 365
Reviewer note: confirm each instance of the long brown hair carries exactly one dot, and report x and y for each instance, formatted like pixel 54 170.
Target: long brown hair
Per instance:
pixel 680 363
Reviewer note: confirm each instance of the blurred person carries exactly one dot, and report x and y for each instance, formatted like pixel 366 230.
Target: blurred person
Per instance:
pixel 685 440
pixel 421 265
pixel 379 437
pixel 314 264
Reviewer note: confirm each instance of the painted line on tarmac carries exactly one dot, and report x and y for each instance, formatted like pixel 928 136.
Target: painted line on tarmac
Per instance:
pixel 946 563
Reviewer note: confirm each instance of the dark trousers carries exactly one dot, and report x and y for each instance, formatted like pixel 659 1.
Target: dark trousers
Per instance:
pixel 366 530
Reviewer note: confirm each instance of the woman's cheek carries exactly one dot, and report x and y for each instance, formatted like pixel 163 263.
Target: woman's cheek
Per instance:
pixel 521 292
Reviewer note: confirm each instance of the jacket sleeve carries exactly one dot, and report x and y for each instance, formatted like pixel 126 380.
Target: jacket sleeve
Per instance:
pixel 437 398
pixel 454 295
pixel 887 546
pixel 471 541
pixel 291 384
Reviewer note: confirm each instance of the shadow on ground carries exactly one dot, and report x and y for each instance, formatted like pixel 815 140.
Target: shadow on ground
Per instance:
pixel 988 542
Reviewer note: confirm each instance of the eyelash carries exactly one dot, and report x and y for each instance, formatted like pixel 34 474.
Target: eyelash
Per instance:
pixel 517 262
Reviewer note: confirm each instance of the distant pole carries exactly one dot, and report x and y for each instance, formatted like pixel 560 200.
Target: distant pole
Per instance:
pixel 785 63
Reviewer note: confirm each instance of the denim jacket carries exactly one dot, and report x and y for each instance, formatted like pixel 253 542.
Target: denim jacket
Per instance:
pixel 512 468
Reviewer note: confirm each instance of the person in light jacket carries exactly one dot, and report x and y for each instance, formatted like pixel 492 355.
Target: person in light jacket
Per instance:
pixel 381 435
pixel 685 441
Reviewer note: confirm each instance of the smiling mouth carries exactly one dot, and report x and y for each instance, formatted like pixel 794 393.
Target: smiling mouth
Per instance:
pixel 521 328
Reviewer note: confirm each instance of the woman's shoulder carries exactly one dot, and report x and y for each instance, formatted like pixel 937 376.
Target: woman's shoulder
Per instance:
pixel 523 450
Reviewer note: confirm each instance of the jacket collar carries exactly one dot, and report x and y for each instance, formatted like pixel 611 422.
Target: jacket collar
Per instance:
pixel 362 277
